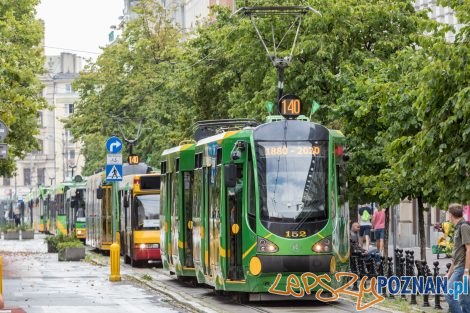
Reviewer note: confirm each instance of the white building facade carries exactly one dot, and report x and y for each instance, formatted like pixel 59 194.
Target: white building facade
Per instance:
pixel 58 154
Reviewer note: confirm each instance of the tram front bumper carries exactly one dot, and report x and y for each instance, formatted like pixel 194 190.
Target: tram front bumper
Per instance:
pixel 295 264
pixel 147 252
pixel 80 233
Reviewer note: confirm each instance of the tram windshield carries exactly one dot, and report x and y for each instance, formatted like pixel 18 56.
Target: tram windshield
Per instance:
pixel 292 177
pixel 148 211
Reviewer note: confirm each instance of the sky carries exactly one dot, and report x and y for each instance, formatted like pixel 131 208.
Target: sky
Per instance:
pixel 78 24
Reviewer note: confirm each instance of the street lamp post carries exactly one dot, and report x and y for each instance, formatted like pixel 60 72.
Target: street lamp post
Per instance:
pixel 73 166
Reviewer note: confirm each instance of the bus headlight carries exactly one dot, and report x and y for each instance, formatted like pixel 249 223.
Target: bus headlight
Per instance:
pixel 323 246
pixel 264 245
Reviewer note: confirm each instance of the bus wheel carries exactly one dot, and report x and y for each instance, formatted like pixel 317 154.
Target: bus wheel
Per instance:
pixel 127 259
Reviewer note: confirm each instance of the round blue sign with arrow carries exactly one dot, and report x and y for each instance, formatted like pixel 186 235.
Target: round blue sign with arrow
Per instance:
pixel 114 145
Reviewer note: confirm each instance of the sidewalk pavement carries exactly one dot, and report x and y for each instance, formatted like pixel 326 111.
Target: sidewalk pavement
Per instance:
pixel 37 282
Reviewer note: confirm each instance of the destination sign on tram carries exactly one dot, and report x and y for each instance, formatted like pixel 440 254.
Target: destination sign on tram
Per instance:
pixel 290 106
pixel 297 150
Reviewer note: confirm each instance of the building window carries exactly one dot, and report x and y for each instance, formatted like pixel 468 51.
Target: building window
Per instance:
pixel 6 181
pixel 72 155
pixel 27 176
pixel 41 176
pixel 40 119
pixel 68 135
pixel 41 146
pixel 68 88
pixel 69 108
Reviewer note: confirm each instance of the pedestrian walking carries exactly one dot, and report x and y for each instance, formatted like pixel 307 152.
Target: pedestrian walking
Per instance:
pixel 378 224
pixel 17 220
pixel 365 214
pixel 460 259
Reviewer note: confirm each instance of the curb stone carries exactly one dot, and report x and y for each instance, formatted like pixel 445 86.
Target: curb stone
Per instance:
pixel 178 297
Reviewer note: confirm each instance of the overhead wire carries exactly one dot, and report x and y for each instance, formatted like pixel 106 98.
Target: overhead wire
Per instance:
pixel 74 50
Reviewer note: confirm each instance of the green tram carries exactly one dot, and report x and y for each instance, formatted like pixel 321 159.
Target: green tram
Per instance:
pixel 43 208
pixel 75 208
pixel 246 202
pixel 98 213
pixel 57 207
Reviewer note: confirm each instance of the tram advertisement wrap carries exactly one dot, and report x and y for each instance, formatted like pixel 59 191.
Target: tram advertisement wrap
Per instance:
pixel 405 285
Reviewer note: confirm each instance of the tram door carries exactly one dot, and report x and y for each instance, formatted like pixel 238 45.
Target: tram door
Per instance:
pixel 188 178
pixel 206 221
pixel 234 205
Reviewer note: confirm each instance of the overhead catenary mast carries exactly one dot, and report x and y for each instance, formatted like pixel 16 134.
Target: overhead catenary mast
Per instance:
pixel 280 63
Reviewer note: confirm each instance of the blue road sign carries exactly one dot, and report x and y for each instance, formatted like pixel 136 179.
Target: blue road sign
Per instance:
pixel 114 145
pixel 113 172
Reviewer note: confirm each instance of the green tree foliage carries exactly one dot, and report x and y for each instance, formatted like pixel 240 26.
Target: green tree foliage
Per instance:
pixel 382 72
pixel 21 62
pixel 128 84
pixel 418 104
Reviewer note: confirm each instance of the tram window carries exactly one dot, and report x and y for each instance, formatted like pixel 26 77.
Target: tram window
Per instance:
pixel 177 165
pixel 163 167
pixel 198 160
pixel 219 156
pixel 174 197
pixel 251 193
pixel 148 215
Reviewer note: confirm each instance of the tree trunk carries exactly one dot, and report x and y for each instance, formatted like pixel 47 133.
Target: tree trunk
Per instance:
pixel 422 236
pixel 387 232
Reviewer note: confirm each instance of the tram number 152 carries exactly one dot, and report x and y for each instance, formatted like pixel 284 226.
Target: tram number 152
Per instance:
pixel 296 234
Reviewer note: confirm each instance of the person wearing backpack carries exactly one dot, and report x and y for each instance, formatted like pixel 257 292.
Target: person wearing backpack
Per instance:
pixel 365 214
pixel 460 259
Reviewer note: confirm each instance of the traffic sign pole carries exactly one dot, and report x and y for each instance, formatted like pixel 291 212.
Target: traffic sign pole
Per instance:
pixel 114 208
pixel 114 175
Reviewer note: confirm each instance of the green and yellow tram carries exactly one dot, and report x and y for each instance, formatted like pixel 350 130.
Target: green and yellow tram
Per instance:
pixel 75 208
pixel 98 207
pixel 246 203
pixel 99 216
pixel 44 208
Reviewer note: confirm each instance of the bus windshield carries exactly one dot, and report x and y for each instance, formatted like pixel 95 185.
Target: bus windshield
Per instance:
pixel 292 179
pixel 148 211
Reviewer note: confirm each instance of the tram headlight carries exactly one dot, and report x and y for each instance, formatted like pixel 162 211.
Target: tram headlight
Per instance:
pixel 323 246
pixel 266 246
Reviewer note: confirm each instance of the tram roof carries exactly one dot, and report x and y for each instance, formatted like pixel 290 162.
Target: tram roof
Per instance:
pixel 217 137
pixel 178 149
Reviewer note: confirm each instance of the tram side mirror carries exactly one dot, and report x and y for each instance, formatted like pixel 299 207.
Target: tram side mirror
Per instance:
pixel 346 157
pixel 230 175
pixel 99 193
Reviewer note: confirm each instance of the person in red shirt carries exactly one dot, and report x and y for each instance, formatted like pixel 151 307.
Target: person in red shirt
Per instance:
pixel 378 224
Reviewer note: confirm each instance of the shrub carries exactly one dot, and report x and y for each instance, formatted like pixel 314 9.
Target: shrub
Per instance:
pixel 55 241
pixel 25 227
pixel 8 227
pixel 69 244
